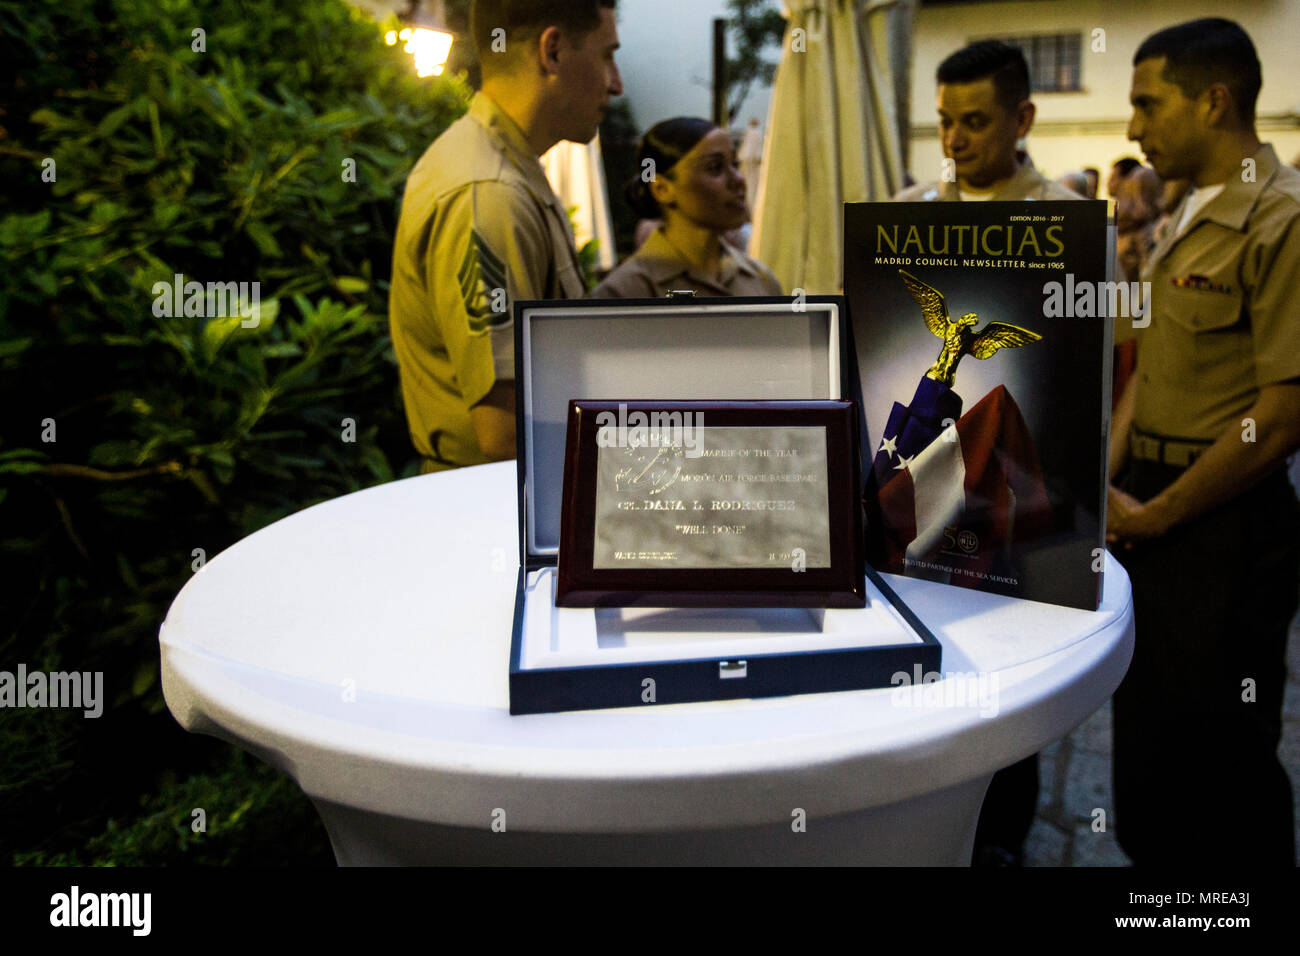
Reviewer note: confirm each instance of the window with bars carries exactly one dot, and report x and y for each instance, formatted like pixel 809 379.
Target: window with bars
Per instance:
pixel 1053 60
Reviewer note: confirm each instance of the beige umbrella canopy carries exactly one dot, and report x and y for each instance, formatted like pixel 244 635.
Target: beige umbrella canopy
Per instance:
pixel 750 158
pixel 577 175
pixel 836 132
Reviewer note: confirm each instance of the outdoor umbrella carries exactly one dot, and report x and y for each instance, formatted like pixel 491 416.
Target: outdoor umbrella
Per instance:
pixel 577 174
pixel 750 159
pixel 836 132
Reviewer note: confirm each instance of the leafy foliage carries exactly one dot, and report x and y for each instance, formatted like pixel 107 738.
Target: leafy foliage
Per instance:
pixel 251 816
pixel 133 443
pixel 755 25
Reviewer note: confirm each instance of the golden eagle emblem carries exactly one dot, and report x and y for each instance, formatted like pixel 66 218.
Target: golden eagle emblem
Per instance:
pixel 959 335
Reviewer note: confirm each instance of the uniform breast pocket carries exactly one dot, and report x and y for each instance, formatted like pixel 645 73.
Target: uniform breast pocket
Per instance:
pixel 1206 336
pixel 1202 310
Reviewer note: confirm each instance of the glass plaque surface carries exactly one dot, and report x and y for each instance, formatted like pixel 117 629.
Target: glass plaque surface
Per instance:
pixel 747 500
pixel 749 504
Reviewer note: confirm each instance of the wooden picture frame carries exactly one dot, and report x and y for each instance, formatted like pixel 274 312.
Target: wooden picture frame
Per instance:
pixel 730 516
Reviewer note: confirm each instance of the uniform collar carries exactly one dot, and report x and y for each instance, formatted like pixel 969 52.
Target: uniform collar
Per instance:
pixel 1231 208
pixel 1025 181
pixel 663 261
pixel 507 134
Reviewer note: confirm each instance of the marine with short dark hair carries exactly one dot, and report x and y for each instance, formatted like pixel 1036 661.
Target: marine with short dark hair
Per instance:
pixel 481 227
pixel 984 111
pixel 1201 512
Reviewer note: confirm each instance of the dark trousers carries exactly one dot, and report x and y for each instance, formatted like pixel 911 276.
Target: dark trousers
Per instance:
pixel 1198 717
pixel 1007 814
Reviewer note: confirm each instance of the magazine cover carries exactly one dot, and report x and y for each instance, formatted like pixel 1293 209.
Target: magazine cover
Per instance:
pixel 983 335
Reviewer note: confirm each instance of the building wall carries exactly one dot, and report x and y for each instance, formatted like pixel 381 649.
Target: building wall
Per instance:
pixel 1087 128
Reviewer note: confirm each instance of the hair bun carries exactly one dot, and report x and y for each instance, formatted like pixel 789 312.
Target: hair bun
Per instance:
pixel 637 193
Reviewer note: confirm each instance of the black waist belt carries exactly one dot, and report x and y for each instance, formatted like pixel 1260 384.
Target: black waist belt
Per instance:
pixel 1176 452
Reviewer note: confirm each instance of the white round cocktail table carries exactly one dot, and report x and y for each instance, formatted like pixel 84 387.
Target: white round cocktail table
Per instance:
pixel 362 647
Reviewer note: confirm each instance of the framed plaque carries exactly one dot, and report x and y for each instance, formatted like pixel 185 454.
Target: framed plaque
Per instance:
pixel 711 504
pixel 753 356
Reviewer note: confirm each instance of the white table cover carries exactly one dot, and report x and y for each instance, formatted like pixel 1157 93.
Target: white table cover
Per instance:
pixel 362 647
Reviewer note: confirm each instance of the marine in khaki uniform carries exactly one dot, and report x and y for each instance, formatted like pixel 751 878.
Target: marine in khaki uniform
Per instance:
pixel 698 193
pixel 1201 513
pixel 481 228
pixel 1224 316
pixel 984 111
pixel 659 267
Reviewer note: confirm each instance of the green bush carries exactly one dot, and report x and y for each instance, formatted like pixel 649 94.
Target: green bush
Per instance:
pixel 171 435
pixel 251 816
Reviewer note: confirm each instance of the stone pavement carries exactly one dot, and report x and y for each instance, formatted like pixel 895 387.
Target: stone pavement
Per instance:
pixel 1074 778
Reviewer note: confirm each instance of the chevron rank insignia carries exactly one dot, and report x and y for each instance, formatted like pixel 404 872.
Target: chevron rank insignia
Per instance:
pixel 482 279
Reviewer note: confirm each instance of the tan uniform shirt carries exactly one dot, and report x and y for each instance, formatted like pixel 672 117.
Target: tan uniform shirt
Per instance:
pixel 1225 307
pixel 1027 183
pixel 480 227
pixel 658 267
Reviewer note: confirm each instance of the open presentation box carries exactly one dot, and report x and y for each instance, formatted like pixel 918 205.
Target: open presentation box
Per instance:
pixel 771 349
